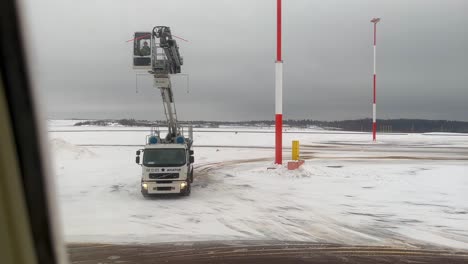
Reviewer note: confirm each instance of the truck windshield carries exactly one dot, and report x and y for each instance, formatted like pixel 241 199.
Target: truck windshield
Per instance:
pixel 164 157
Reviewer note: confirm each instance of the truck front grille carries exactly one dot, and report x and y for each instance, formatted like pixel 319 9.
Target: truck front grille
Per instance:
pixel 165 188
pixel 164 175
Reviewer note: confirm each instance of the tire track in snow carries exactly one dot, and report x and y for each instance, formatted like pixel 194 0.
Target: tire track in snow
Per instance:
pixel 374 152
pixel 283 224
pixel 277 227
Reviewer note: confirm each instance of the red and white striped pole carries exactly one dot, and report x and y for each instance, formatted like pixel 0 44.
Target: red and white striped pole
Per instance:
pixel 374 114
pixel 278 89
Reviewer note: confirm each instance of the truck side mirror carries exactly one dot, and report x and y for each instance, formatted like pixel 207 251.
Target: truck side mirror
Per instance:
pixel 137 160
pixel 192 159
pixel 191 152
pixel 138 153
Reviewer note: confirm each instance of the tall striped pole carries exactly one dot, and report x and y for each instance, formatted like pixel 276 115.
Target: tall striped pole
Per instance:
pixel 278 90
pixel 374 114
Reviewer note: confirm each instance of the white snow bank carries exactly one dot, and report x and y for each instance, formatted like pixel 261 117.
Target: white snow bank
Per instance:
pixel 63 149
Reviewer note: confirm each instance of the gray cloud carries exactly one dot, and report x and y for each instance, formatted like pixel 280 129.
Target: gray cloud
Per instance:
pixel 82 62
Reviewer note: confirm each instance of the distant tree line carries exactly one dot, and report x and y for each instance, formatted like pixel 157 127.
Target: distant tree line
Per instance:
pixel 122 122
pixel 364 125
pixel 397 125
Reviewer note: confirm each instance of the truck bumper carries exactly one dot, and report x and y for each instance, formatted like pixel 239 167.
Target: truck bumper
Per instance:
pixel 161 188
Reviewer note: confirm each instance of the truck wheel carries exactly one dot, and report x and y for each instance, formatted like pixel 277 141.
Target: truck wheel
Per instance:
pixel 187 190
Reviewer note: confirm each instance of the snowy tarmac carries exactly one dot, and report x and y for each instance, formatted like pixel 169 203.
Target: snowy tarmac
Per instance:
pixel 405 190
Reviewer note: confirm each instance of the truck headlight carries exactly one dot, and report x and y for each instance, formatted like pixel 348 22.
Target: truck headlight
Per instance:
pixel 144 185
pixel 183 185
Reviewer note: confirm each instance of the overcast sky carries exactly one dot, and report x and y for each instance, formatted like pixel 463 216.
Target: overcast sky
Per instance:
pixel 82 62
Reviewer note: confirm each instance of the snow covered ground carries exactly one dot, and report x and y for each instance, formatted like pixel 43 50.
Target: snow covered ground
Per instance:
pixel 406 189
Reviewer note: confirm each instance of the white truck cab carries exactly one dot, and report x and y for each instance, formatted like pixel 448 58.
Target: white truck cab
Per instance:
pixel 166 168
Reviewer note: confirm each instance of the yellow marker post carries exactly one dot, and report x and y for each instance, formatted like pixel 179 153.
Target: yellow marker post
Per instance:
pixel 295 150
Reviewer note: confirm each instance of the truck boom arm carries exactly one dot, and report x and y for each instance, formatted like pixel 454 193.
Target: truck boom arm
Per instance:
pixel 172 62
pixel 170 47
pixel 170 112
pixel 162 59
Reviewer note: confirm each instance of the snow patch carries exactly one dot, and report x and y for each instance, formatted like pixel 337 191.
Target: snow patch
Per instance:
pixel 62 148
pixel 282 171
